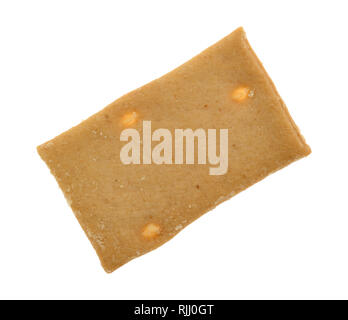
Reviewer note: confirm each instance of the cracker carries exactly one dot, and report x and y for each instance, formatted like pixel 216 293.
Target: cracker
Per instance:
pixel 127 210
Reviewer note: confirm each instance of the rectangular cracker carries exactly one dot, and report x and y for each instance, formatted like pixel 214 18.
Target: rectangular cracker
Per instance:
pixel 128 210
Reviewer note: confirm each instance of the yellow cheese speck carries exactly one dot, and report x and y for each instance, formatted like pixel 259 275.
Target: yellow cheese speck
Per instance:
pixel 240 93
pixel 129 118
pixel 151 230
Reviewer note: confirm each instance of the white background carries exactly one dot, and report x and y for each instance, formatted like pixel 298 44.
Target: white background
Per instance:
pixel 61 61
